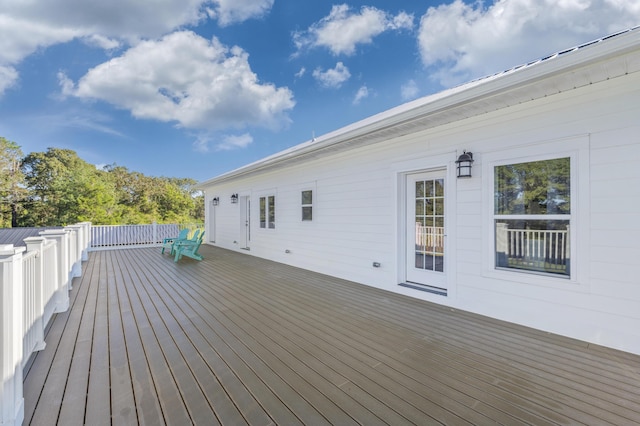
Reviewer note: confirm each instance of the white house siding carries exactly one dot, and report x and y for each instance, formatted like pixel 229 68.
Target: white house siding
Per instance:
pixel 357 212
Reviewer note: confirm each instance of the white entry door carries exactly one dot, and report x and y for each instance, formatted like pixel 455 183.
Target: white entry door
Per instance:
pixel 426 262
pixel 212 224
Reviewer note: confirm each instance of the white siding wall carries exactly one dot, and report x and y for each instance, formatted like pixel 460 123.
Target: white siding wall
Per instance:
pixel 356 212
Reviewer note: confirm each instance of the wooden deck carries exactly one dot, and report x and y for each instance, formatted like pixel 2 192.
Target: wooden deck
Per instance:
pixel 238 340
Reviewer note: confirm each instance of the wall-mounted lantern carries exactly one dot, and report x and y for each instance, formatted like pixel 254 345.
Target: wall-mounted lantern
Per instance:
pixel 464 164
pixel 234 198
pixel 215 201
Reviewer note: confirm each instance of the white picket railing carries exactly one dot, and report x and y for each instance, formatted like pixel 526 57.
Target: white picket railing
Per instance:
pixel 49 269
pixel 429 238
pixel 544 250
pixel 110 236
pixel 32 306
pixel 35 283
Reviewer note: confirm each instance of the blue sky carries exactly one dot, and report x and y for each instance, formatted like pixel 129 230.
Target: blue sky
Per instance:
pixel 195 88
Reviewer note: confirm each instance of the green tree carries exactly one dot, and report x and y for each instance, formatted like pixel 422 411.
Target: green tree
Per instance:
pixel 63 189
pixel 145 199
pixel 12 183
pixel 537 187
pixel 57 187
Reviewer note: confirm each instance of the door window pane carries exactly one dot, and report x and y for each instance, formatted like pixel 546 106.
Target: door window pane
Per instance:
pixel 263 212
pixel 429 235
pixel 271 202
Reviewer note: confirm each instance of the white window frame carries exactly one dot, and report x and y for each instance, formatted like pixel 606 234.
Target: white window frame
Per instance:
pixel 309 205
pixel 268 224
pixel 577 149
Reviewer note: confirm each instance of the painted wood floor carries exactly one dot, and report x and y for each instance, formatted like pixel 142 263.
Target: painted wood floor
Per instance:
pixel 238 340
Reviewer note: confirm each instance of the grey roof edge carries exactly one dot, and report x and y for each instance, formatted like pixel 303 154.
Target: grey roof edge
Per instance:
pixel 560 62
pixel 16 236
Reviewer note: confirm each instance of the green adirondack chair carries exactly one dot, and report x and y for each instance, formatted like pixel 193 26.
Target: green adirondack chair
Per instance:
pixel 188 248
pixel 167 243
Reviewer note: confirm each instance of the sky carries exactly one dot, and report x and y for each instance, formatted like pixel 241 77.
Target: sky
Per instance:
pixel 196 88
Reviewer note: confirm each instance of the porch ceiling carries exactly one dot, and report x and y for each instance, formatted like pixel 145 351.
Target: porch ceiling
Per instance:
pixel 236 339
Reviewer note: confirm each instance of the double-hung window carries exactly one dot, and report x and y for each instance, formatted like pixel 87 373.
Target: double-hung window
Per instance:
pixel 268 212
pixel 533 215
pixel 307 205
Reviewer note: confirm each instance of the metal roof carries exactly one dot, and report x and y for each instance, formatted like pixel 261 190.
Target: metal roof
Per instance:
pixel 16 236
pixel 598 60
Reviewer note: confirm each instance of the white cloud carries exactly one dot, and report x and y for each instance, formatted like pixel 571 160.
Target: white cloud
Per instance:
pixel 67 86
pixel 402 21
pixel 205 140
pixel 342 30
pixel 332 78
pixel 232 11
pixel 8 78
pixel 19 37
pixel 48 124
pixel 231 142
pixel 300 73
pixel 470 40
pixel 184 78
pixel 102 42
pixel 362 93
pixel 27 25
pixel 409 90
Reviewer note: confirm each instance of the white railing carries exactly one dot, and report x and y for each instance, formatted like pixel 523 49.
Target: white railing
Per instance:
pixel 429 238
pixel 110 236
pixel 32 306
pixel 535 249
pixel 35 283
pixel 49 269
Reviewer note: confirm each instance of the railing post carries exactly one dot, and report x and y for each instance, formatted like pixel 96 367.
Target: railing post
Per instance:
pixel 86 239
pixel 37 244
pixel 502 244
pixel 155 232
pixel 64 278
pixel 11 395
pixel 75 250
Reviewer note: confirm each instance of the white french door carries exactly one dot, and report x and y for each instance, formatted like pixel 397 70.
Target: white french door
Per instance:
pixel 426 262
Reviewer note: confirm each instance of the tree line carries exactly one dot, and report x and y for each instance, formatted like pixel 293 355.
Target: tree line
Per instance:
pixel 57 187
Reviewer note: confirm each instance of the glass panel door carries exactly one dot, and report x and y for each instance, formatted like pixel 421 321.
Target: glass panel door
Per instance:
pixel 426 236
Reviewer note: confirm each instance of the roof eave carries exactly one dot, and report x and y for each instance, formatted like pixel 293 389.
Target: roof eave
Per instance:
pixel 490 87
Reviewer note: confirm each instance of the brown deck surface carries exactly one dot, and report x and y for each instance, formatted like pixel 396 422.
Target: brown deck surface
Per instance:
pixel 239 340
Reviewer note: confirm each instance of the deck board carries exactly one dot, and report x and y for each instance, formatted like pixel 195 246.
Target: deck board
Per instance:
pixel 239 340
pixel 98 402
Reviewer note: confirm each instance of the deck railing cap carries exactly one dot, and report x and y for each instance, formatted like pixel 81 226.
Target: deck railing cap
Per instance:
pixel 34 239
pixel 60 231
pixel 7 250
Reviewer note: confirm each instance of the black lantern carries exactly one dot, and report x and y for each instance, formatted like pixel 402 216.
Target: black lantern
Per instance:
pixel 464 164
pixel 215 201
pixel 234 198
